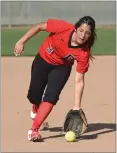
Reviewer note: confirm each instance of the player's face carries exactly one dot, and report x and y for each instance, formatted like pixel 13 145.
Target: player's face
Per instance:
pixel 83 33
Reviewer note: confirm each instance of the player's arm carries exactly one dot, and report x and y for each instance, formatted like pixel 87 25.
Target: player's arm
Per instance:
pixel 81 69
pixel 34 30
pixel 51 25
pixel 19 46
pixel 79 87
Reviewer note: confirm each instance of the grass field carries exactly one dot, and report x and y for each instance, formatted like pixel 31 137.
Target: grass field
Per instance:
pixel 105 43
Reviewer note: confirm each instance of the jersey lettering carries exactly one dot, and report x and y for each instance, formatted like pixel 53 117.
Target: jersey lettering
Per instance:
pixel 69 58
pixel 50 49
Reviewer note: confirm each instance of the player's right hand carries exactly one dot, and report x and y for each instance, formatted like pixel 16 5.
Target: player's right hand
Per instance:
pixel 18 49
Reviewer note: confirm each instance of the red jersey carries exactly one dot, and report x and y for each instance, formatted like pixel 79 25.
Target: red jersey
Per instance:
pixel 56 48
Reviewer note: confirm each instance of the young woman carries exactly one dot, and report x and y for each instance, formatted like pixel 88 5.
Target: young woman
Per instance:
pixel 52 65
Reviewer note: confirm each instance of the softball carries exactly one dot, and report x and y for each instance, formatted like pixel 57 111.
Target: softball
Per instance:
pixel 70 136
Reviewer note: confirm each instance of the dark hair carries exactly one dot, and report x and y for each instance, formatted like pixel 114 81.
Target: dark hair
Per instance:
pixel 90 21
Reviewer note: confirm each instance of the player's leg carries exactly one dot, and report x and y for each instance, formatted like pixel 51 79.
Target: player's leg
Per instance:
pixel 57 78
pixel 39 73
pixel 39 76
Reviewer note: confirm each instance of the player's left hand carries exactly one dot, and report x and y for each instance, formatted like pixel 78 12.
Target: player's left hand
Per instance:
pixel 76 122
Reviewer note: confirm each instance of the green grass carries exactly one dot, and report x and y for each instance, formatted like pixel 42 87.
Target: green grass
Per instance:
pixel 105 43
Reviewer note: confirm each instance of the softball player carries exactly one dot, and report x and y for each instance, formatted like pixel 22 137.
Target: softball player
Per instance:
pixel 53 63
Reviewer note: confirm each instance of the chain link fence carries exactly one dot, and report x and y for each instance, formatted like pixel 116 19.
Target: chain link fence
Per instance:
pixel 17 13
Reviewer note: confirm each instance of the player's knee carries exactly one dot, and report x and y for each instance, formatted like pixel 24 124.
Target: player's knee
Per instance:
pixel 51 97
pixel 34 98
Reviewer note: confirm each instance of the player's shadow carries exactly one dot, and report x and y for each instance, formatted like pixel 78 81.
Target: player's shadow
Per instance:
pixel 104 127
pixel 94 127
pixel 99 126
pixel 53 129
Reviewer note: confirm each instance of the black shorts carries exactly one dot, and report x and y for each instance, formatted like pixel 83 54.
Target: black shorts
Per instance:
pixel 47 81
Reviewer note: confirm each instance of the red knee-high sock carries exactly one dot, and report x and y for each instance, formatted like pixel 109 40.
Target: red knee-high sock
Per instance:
pixel 42 113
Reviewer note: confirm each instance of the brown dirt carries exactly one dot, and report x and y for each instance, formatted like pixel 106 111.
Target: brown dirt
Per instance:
pixel 98 103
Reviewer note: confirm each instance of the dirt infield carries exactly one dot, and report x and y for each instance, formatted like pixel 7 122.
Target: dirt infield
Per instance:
pixel 98 103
